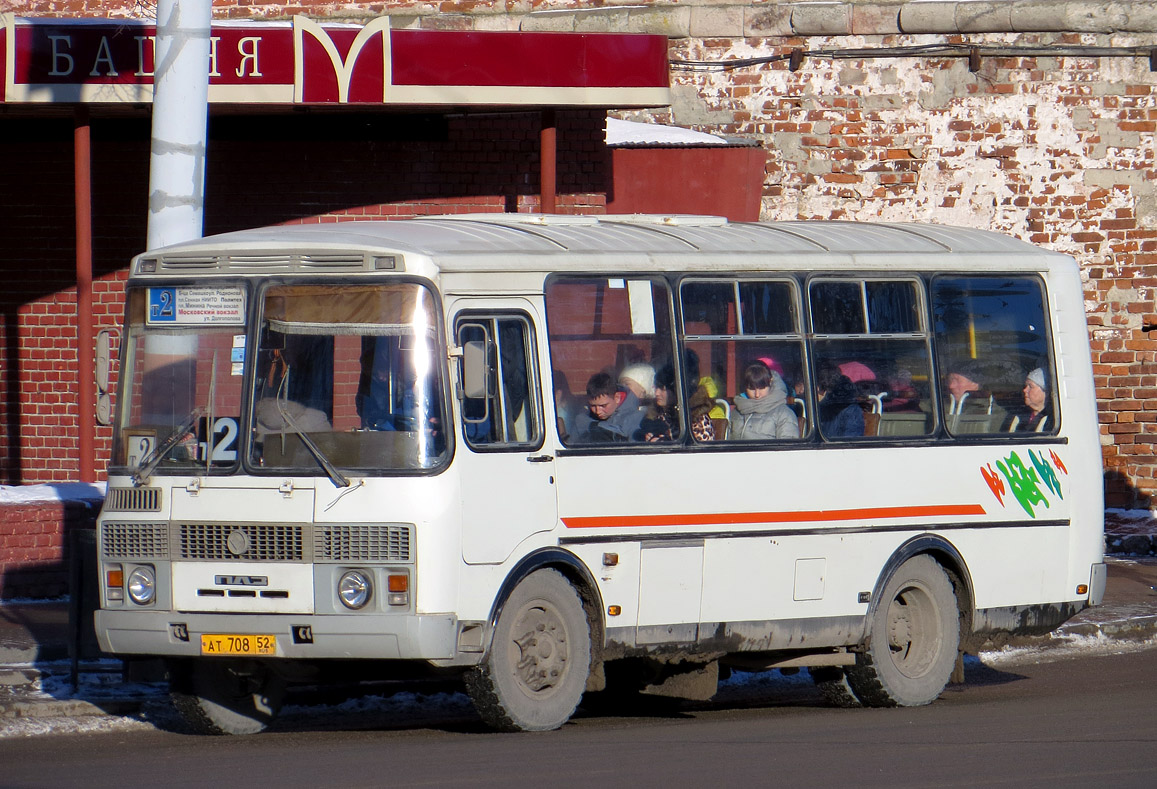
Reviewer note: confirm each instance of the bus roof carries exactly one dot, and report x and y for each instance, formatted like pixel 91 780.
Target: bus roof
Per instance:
pixel 463 242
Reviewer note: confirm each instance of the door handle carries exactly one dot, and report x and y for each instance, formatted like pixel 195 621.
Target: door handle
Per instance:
pixel 540 459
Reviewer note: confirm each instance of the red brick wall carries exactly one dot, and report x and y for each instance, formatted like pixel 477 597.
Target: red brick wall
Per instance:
pixel 34 559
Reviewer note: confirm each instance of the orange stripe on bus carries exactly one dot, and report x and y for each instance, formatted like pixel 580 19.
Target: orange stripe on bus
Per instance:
pixel 805 516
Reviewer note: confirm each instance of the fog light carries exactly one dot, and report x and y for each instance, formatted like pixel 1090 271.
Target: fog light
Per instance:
pixel 142 585
pixel 355 589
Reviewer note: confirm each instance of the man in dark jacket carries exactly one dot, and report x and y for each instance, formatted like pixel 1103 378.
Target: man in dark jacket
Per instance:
pixel 613 412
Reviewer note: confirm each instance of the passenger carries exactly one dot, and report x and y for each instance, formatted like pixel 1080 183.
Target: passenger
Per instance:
pixel 1038 407
pixel 702 402
pixel 840 415
pixel 761 411
pixel 903 396
pixel 661 422
pixel 613 413
pixel 640 379
pixel 964 390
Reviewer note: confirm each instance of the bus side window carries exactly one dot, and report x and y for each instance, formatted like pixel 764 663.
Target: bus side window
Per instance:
pixel 873 363
pixel 508 414
pixel 728 326
pixel 991 337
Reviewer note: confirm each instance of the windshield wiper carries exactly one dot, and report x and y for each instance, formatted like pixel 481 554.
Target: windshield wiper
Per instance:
pixel 336 477
pixel 150 461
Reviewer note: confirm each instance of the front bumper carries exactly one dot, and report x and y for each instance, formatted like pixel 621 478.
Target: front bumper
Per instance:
pixel 387 637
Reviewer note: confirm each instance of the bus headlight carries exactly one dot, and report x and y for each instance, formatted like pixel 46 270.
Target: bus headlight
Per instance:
pixel 355 589
pixel 142 585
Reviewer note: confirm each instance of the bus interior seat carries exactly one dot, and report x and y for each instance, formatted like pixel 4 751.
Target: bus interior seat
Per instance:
pixel 902 424
pixel 722 426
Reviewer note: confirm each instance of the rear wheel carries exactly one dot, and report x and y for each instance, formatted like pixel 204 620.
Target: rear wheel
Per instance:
pixel 913 640
pixel 536 670
pixel 225 696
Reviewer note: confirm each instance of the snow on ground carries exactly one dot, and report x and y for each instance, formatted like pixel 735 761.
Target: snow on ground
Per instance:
pixel 58 491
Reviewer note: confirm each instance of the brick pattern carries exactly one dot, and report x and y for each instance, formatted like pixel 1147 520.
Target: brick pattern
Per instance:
pixel 34 560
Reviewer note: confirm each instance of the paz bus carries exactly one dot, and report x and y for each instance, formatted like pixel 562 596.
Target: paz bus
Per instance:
pixel 386 449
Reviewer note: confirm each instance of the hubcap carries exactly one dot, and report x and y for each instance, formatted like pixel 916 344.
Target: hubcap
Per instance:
pixel 540 661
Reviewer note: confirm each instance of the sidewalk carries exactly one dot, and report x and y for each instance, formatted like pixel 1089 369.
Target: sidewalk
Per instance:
pixel 36 669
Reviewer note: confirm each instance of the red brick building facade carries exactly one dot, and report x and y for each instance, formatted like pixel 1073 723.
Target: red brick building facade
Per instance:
pixel 1036 118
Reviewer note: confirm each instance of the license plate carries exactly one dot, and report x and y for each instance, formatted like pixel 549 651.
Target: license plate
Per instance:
pixel 227 644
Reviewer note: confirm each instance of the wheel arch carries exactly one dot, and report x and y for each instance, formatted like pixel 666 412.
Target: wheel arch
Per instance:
pixel 574 570
pixel 950 560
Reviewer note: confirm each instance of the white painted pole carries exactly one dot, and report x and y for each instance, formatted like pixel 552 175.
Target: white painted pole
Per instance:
pixel 180 117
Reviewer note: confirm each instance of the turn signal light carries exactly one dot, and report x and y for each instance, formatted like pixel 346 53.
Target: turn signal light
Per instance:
pixel 398 588
pixel 614 610
pixel 114 583
pixel 1082 588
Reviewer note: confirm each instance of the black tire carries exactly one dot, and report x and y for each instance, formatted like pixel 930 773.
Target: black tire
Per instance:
pixel 224 696
pixel 913 639
pixel 535 671
pixel 833 685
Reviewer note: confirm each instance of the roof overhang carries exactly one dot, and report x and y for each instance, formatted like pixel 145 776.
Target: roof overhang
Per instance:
pixel 306 63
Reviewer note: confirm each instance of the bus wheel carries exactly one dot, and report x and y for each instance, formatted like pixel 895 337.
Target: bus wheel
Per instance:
pixel 224 696
pixel 912 641
pixel 833 686
pixel 536 669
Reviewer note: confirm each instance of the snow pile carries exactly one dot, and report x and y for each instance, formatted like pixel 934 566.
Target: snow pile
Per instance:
pixel 57 491
pixel 632 133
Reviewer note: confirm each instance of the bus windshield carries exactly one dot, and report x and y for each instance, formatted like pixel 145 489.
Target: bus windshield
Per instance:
pixel 182 398
pixel 353 369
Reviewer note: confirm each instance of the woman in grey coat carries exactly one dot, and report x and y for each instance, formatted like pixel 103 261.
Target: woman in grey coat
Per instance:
pixel 762 412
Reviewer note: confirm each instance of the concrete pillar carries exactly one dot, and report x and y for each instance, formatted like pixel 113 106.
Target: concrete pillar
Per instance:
pixel 180 116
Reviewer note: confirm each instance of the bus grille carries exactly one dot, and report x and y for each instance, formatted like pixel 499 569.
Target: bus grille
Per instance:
pixel 260 542
pixel 133 499
pixel 362 542
pixel 134 541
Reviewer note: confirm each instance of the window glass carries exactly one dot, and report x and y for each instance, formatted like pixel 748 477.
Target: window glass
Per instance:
pixel 873 368
pixel 993 349
pixel 611 352
pixel 837 308
pixel 356 369
pixel 744 363
pixel 508 415
pixel 180 404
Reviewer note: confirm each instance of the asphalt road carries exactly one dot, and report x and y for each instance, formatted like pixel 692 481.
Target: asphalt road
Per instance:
pixel 1088 719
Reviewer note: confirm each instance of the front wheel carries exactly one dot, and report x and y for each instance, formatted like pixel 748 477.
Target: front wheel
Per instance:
pixel 217 696
pixel 536 670
pixel 913 639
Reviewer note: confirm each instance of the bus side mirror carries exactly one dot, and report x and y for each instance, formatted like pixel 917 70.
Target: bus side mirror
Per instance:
pixel 102 366
pixel 475 369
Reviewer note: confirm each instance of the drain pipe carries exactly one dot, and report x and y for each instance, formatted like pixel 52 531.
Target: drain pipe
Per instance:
pixel 180 117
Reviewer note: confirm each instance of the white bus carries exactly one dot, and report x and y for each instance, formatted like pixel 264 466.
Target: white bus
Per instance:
pixel 600 455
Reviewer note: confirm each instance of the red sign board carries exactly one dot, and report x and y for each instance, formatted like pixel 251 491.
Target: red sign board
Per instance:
pixel 306 62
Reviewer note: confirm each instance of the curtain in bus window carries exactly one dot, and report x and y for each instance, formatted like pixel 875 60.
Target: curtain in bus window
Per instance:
pixel 744 358
pixel 873 363
pixel 611 346
pixel 996 372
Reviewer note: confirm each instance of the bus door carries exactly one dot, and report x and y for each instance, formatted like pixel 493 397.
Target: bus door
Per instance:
pixel 506 472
